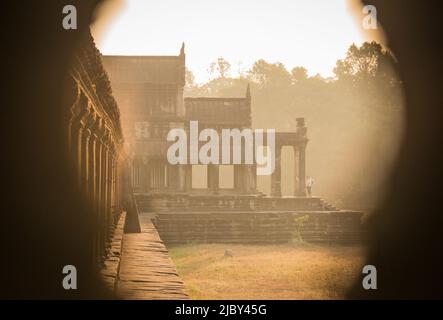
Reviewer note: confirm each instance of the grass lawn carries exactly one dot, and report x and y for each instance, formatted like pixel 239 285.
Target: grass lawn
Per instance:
pixel 286 271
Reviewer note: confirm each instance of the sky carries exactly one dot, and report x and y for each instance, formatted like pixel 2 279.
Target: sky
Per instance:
pixel 308 33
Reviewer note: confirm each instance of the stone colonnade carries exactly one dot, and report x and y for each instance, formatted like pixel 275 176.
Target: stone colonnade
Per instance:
pixel 95 147
pixel 156 174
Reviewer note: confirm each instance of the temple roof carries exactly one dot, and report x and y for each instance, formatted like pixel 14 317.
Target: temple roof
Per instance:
pixel 146 69
pixel 236 111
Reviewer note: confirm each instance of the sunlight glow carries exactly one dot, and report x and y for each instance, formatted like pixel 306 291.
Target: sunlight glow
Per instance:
pixel 308 33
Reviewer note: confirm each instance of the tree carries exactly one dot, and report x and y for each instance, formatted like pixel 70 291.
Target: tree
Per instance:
pixel 351 117
pixel 273 74
pixel 299 74
pixel 367 61
pixel 189 78
pixel 221 67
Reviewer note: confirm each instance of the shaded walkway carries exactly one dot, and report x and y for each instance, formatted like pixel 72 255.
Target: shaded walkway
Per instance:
pixel 146 270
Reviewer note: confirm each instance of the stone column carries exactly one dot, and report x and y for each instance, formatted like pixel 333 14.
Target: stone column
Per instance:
pixel 302 170
pixel 213 177
pixel 116 179
pixel 276 175
pixel 85 160
pixel 252 172
pixel 172 176
pixel 79 156
pixel 114 193
pixel 146 177
pixel 188 178
pixel 246 178
pixel 100 216
pixel 142 176
pixel 110 179
pixel 103 188
pixel 301 146
pixel 136 167
pixel 92 170
pixel 296 172
pixel 155 172
pixel 163 174
pixel 238 178
pixel 181 176
pixel 107 183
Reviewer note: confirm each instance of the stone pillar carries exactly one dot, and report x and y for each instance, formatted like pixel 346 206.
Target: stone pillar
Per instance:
pixel 113 190
pixel 116 189
pixel 142 174
pixel 246 178
pixel 103 188
pixel 93 184
pixel 213 177
pixel 163 177
pixel 146 177
pixel 302 170
pixel 188 178
pixel 173 177
pixel 85 160
pixel 154 175
pixel 252 172
pixel 109 188
pixel 238 178
pixel 79 156
pixel 151 184
pixel 91 173
pixel 181 176
pixel 301 146
pixel 107 183
pixel 100 216
pixel 296 172
pixel 276 175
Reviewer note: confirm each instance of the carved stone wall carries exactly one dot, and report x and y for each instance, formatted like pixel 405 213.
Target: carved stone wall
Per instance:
pixel 95 144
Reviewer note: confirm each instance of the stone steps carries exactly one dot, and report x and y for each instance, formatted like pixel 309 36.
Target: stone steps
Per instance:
pixel 182 218
pixel 335 227
pixel 200 203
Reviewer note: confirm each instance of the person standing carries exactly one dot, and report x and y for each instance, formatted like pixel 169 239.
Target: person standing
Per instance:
pixel 309 184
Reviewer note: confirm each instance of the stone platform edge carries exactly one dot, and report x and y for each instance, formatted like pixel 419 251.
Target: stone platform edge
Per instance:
pixel 111 264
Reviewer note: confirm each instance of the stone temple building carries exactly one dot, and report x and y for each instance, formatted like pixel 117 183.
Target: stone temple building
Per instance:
pixel 149 91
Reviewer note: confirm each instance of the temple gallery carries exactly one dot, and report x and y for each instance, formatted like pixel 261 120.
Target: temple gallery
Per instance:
pixel 248 147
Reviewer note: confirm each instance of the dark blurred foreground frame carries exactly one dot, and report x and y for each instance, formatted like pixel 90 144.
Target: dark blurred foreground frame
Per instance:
pixel 46 224
pixel 406 235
